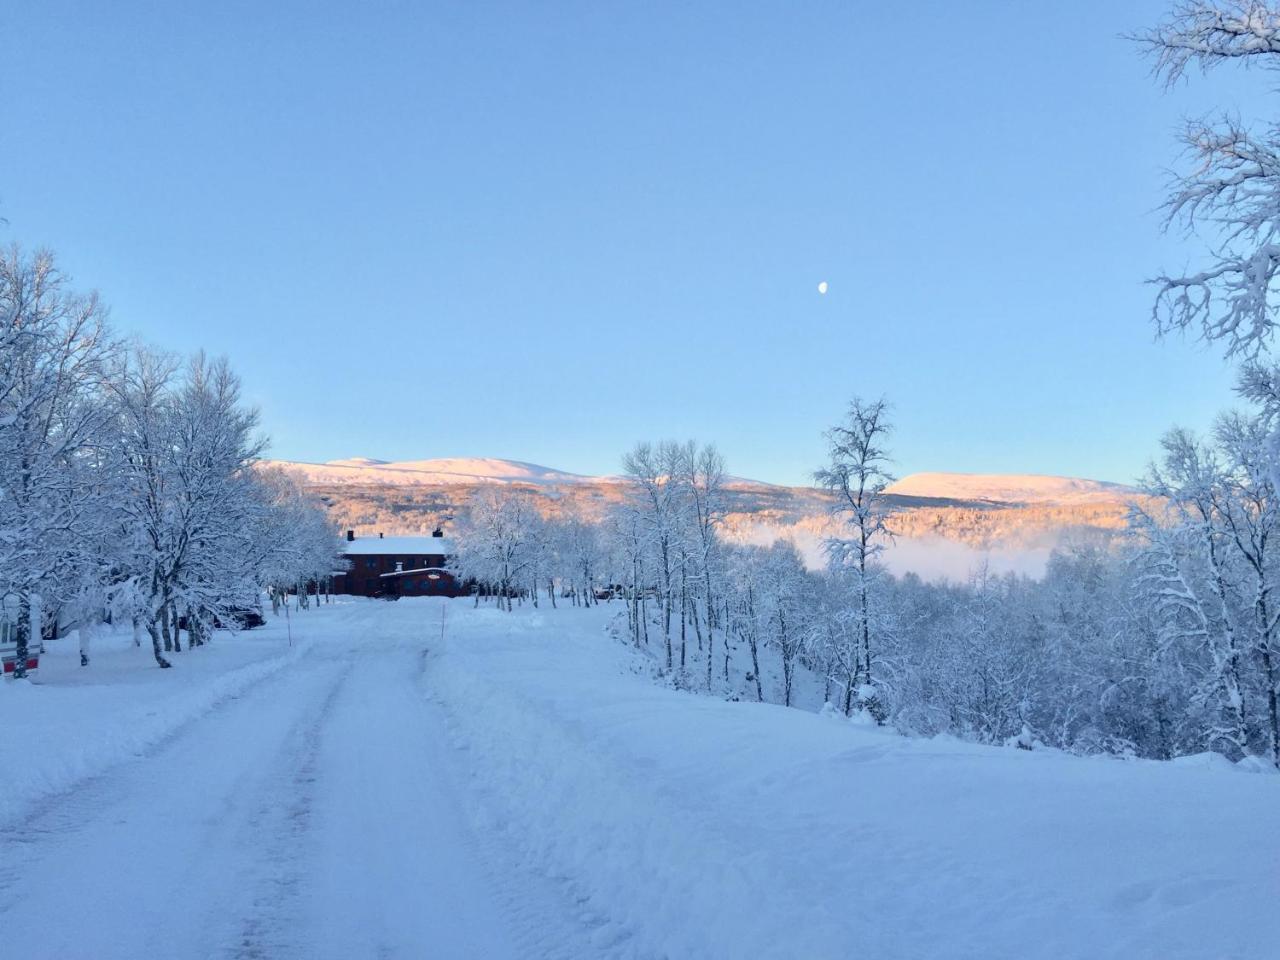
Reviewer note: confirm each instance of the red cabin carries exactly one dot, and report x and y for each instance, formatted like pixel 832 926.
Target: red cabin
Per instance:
pixel 397 566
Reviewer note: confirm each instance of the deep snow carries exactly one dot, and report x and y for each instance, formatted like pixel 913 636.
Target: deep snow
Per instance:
pixel 517 786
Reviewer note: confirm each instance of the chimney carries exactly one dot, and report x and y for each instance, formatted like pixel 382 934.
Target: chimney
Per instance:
pixel 351 535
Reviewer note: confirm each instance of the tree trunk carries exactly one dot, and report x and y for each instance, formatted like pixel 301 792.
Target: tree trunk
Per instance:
pixel 177 628
pixel 1229 667
pixel 1268 667
pixel 866 613
pixel 666 629
pixel 164 628
pixel 755 666
pixel 788 664
pixel 711 644
pixel 23 638
pixel 154 630
pixel 684 611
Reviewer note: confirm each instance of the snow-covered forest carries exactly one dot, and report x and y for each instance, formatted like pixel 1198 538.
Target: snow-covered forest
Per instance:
pixel 1160 646
pixel 127 487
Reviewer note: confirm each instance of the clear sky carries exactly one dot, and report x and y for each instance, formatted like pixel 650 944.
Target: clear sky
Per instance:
pixel 546 231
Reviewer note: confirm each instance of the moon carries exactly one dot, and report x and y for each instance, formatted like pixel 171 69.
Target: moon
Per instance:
pixel 822 287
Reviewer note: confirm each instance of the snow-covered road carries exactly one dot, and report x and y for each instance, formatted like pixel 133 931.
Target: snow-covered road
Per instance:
pixel 515 785
pixel 315 815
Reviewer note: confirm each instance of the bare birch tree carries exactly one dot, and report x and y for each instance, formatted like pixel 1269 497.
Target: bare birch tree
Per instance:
pixel 857 475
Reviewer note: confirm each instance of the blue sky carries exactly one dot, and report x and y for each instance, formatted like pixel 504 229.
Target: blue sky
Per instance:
pixel 546 231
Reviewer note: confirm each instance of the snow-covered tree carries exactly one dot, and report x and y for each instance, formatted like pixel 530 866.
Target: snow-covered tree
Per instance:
pixel 1230 191
pixel 704 485
pixel 857 475
pixel 630 536
pixel 54 348
pixel 497 543
pixel 658 474
pixel 583 558
pixel 188 446
pixel 788 600
pixel 293 546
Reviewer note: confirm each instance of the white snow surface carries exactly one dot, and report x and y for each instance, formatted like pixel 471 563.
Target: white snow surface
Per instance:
pixel 1010 488
pixel 425 779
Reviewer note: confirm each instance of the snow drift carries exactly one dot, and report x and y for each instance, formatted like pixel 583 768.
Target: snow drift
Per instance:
pixel 696 828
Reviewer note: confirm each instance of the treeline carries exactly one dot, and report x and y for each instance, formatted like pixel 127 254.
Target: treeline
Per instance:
pixel 1157 644
pixel 127 486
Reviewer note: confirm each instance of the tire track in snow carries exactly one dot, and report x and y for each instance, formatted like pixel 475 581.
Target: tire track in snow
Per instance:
pixel 67 812
pixel 548 914
pixel 234 684
pixel 148 854
pixel 270 929
pixel 396 872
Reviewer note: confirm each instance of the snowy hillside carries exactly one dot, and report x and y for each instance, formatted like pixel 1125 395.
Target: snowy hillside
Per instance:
pixel 427 779
pixel 946 523
pixel 1009 488
pixel 439 472
pixel 961 487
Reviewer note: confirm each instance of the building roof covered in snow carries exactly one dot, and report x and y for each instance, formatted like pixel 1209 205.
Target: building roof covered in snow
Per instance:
pixel 400 545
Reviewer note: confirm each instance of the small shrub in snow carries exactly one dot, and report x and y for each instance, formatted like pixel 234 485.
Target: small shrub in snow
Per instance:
pixel 1023 740
pixel 863 718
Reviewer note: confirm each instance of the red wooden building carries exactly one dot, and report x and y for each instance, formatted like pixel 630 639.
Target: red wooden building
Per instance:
pixel 397 566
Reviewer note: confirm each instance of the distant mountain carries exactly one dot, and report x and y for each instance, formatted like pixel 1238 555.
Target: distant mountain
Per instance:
pixel 998 488
pixel 355 462
pixel 945 523
pixel 441 472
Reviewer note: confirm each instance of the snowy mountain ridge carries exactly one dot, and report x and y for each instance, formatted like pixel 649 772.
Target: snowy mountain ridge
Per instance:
pixel 437 472
pixel 944 523
pixel 1010 488
pixel 968 487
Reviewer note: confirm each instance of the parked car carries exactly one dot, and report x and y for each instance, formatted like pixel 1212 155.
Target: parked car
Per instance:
pixel 239 618
pixel 9 642
pixel 247 618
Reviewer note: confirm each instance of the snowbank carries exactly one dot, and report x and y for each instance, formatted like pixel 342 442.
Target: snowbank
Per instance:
pixel 695 828
pixel 669 825
pixel 71 722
